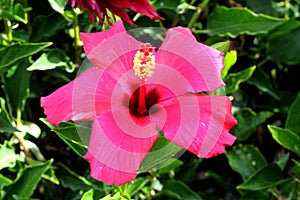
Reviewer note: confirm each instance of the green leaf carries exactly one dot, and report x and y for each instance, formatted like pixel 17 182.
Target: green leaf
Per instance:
pixel 234 21
pixel 20 80
pixel 187 174
pixel 4 181
pixel 47 26
pixel 10 55
pixel 262 82
pixel 161 155
pixel 220 179
pixel 75 136
pixel 136 185
pixel 54 58
pixel 5 122
pixel 292 121
pixel 178 190
pixel 50 176
pixel 266 177
pixel 58 5
pixel 8 157
pixel 229 60
pixel 71 180
pixel 282 161
pixel 171 166
pixel 222 46
pixel 245 160
pixel 259 6
pixel 286 138
pixel 248 121
pixel 233 80
pixel 27 180
pixel 20 14
pixel 285 48
pixel 255 195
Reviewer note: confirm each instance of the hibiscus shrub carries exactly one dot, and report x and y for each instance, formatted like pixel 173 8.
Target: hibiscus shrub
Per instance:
pixel 46 141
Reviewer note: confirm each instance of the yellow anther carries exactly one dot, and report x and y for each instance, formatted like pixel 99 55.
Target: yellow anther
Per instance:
pixel 144 61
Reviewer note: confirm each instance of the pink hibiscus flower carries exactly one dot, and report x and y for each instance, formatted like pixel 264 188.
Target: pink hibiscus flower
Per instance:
pixel 116 7
pixel 132 93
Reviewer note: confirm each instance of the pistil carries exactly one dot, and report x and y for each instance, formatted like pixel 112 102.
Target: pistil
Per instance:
pixel 143 66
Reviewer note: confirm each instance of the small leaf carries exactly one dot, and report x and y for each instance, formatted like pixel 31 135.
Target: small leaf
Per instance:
pixel 233 80
pixel 248 121
pixel 222 46
pixel 229 60
pixel 20 14
pixel 10 55
pixel 170 167
pixel 266 177
pixel 5 121
pixel 245 160
pixel 27 180
pixel 54 58
pixel 8 157
pixel 179 190
pixel 292 121
pixel 235 21
pixel 58 5
pixel 136 185
pixel 4 181
pixel 286 138
pixel 282 161
pixel 72 135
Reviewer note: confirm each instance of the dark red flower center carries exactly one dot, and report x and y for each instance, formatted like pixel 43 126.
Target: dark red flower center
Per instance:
pixel 150 98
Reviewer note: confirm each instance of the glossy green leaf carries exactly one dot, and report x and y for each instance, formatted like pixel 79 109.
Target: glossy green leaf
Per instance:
pixel 222 46
pixel 5 121
pixel 8 157
pixel 285 48
pixel 46 26
pixel 286 138
pixel 282 161
pixel 234 21
pixel 10 55
pixel 58 5
pixel 54 58
pixel 137 184
pixel 70 134
pixel 248 121
pixel 261 80
pixel 245 160
pixel 50 176
pixel 161 155
pixel 233 80
pixel 292 121
pixel 71 180
pixel 250 195
pixel 178 190
pixel 266 177
pixel 229 60
pixel 21 80
pixel 27 180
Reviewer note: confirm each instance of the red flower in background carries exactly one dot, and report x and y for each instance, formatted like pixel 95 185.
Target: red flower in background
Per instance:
pixel 116 7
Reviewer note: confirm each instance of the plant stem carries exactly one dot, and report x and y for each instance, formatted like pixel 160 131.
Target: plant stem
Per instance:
pixel 201 6
pixel 8 29
pixel 19 136
pixel 77 40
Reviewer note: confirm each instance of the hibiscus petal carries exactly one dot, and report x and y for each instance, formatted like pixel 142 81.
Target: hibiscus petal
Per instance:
pixel 82 99
pixel 104 49
pixel 198 123
pixel 114 153
pixel 198 63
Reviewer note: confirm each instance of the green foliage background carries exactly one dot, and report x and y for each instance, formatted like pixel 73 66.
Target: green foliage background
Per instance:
pixel 40 50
